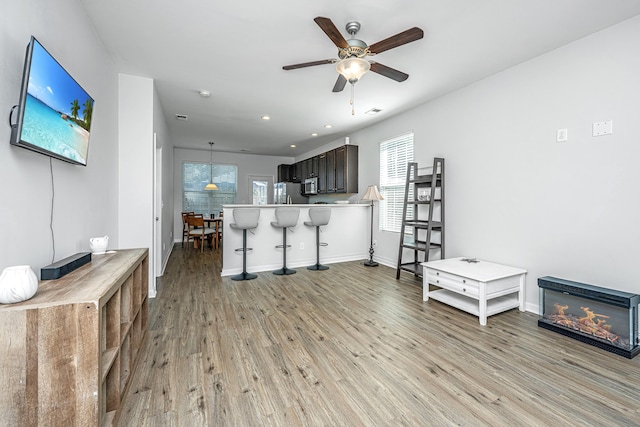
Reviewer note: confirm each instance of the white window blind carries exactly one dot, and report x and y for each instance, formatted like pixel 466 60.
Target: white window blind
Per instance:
pixel 195 176
pixel 395 154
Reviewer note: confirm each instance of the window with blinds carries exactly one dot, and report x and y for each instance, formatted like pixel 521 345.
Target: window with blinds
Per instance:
pixel 195 176
pixel 395 154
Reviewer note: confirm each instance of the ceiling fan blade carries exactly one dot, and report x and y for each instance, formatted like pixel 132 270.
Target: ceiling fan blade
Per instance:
pixel 308 64
pixel 340 83
pixel 408 36
pixel 330 30
pixel 393 74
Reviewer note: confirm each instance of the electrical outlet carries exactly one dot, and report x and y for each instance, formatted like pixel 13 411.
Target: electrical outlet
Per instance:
pixel 375 243
pixel 301 246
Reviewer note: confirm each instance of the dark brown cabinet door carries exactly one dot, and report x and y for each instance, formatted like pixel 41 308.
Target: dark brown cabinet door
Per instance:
pixel 284 173
pixel 331 171
pixel 341 170
pixel 296 172
pixel 322 173
pixel 313 166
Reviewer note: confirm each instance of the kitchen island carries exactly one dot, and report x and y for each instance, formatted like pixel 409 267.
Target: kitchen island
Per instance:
pixel 347 236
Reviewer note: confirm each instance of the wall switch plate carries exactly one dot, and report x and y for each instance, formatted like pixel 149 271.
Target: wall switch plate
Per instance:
pixel 562 135
pixel 301 246
pixel 603 128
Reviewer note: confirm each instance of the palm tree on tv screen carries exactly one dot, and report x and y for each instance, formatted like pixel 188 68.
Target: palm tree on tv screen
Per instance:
pixel 75 107
pixel 86 113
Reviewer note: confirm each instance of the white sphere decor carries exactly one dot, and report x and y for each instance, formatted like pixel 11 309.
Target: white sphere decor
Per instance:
pixel 17 283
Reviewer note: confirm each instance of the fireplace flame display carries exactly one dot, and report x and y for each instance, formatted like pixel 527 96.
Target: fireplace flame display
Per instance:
pixel 602 317
pixel 591 324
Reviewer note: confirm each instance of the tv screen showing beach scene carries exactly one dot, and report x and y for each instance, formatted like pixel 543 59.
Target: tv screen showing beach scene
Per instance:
pixel 55 111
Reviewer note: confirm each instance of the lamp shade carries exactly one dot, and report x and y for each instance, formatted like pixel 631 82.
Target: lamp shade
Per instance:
pixel 353 68
pixel 211 186
pixel 372 194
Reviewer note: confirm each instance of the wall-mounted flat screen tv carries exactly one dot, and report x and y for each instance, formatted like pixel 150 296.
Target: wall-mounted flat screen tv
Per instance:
pixel 54 113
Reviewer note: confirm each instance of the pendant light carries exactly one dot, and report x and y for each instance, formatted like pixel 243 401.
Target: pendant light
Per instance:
pixel 211 185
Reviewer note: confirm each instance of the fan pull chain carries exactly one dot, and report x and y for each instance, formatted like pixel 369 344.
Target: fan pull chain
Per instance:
pixel 352 101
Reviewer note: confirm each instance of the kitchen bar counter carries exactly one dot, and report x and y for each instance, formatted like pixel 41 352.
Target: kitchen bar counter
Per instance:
pixel 347 235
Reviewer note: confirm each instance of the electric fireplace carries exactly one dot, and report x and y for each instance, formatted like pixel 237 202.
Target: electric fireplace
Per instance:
pixel 602 317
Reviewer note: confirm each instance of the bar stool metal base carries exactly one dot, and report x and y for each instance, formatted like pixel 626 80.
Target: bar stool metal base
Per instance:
pixel 284 271
pixel 244 276
pixel 317 266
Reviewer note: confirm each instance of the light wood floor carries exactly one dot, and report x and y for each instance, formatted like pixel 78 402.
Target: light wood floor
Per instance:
pixel 352 346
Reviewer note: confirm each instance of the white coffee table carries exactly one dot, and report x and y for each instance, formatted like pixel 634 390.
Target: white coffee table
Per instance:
pixel 481 288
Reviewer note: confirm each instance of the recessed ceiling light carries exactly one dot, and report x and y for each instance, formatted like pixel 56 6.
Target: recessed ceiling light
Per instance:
pixel 205 93
pixel 266 117
pixel 314 134
pixel 328 126
pixel 293 146
pixel 373 111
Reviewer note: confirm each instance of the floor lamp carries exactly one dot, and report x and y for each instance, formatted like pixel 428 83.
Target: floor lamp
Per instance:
pixel 373 195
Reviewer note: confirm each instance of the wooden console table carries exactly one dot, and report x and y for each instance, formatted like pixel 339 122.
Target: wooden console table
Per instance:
pixel 67 354
pixel 481 288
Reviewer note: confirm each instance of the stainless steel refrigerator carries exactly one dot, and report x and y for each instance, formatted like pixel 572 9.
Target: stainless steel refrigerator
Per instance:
pixel 288 192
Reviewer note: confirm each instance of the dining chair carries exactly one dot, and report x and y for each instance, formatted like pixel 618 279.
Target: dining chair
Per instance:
pixel 185 227
pixel 198 231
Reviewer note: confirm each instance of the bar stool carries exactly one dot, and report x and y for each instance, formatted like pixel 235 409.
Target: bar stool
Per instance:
pixel 318 216
pixel 245 219
pixel 285 218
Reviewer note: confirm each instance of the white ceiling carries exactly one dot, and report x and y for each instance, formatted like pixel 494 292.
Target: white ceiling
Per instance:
pixel 236 50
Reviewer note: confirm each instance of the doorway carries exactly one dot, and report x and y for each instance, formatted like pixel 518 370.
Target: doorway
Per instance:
pixel 260 190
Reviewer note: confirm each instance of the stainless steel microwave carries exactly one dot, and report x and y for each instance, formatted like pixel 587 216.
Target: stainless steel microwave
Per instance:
pixel 311 186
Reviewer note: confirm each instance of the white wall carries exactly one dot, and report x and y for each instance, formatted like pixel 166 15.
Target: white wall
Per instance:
pixel 248 164
pixel 86 198
pixel 163 140
pixel 515 195
pixel 135 163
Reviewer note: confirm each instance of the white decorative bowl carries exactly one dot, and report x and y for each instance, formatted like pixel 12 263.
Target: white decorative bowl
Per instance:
pixel 17 284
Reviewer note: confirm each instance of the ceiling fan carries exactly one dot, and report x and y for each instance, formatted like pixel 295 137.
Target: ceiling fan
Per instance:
pixel 351 63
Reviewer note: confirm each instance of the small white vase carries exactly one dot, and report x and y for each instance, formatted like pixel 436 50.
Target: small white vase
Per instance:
pixel 17 283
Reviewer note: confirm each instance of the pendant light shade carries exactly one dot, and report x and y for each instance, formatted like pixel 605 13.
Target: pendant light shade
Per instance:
pixel 211 186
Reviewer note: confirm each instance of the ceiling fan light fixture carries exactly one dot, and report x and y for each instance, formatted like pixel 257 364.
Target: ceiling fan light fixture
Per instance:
pixel 353 68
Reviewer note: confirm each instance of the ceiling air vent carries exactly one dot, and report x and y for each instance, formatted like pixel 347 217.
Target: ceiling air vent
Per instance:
pixel 182 117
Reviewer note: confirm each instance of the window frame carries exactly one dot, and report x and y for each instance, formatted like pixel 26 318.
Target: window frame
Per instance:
pixel 395 154
pixel 225 179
